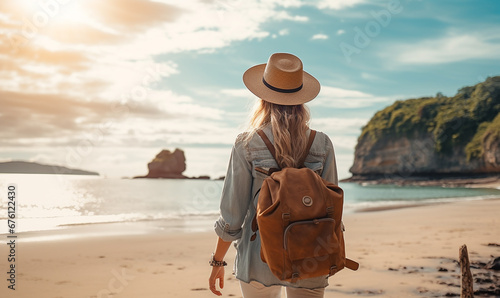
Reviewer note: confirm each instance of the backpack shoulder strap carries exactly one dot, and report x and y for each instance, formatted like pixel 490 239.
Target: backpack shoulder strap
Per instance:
pixel 268 143
pixel 308 147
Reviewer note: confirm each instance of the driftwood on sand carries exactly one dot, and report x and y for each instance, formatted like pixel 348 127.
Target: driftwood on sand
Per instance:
pixel 467 290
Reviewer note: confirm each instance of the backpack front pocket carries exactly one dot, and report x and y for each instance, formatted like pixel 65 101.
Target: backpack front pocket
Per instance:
pixel 311 239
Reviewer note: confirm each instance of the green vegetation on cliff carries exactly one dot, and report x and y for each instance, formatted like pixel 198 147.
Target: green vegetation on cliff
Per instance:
pixel 463 120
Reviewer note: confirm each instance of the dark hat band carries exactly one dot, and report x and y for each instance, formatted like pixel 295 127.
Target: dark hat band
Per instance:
pixel 279 89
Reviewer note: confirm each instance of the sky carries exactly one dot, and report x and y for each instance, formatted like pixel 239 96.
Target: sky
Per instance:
pixel 105 85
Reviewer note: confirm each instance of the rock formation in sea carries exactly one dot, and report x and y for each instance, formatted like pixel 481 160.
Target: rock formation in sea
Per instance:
pixel 433 136
pixel 167 164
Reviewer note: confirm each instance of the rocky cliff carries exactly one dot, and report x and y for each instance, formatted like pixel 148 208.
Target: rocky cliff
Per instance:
pixel 167 164
pixel 433 136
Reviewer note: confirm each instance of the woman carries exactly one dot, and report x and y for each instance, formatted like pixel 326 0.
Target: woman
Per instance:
pixel 283 88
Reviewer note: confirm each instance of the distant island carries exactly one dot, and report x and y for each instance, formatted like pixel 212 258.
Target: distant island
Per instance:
pixel 433 138
pixel 169 165
pixel 25 167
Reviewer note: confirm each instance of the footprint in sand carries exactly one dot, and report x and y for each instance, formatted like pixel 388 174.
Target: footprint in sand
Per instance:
pixel 369 292
pixel 62 282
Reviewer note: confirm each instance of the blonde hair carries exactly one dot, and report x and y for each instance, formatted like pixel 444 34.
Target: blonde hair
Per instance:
pixel 289 126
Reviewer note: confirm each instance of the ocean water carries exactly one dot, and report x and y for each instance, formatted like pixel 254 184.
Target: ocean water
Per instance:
pixel 48 202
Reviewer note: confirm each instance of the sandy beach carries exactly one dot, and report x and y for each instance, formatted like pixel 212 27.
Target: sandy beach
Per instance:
pixel 407 252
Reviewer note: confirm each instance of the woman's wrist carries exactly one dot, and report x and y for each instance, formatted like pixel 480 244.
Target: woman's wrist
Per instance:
pixel 215 262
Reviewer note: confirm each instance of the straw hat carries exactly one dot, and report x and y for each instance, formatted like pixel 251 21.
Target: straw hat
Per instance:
pixel 282 81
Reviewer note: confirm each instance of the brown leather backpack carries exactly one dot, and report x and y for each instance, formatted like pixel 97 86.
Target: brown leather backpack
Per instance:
pixel 299 218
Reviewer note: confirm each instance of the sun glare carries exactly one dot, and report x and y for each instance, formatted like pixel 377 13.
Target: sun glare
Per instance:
pixel 29 6
pixel 54 12
pixel 73 12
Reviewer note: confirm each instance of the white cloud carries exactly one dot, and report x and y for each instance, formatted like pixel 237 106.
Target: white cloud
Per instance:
pixel 126 78
pixel 209 26
pixel 319 36
pixel 338 4
pixel 284 32
pixel 289 3
pixel 181 130
pixel 340 31
pixel 347 99
pixel 283 15
pixel 451 48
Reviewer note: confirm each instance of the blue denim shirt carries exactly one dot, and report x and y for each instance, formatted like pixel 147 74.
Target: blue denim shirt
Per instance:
pixel 238 206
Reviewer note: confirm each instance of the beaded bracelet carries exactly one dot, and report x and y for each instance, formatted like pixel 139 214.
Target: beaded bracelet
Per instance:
pixel 215 263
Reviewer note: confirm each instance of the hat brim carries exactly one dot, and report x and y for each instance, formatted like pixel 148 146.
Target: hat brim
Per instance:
pixel 252 78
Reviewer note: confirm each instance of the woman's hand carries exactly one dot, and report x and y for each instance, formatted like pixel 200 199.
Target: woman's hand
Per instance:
pixel 218 271
pixel 217 274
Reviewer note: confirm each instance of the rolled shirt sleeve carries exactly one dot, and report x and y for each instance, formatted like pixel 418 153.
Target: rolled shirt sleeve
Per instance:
pixel 236 194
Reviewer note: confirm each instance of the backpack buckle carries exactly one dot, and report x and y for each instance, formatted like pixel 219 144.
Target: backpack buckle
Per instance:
pixel 333 270
pixel 329 210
